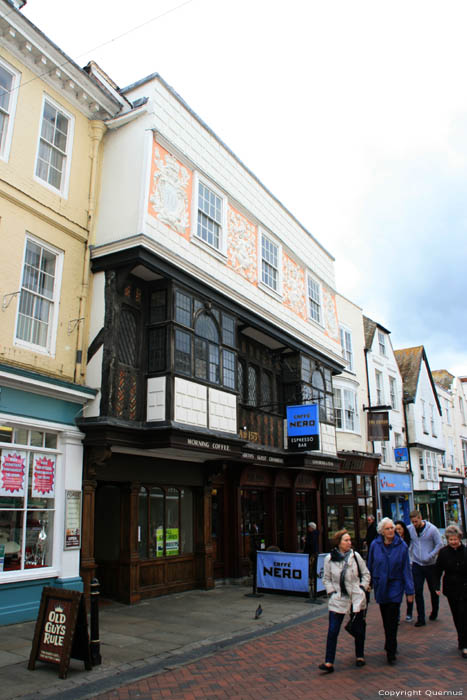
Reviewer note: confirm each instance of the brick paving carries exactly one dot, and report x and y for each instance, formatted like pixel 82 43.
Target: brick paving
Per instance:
pixel 283 665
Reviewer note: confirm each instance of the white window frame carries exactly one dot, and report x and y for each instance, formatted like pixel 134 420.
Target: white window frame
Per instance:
pixel 448 411
pixel 379 387
pixel 393 391
pixel 464 452
pixel 346 398
pixel 65 183
pixel 319 302
pixel 221 249
pixel 48 349
pixel 382 343
pixel 52 569
pixel 462 409
pixel 434 431
pixel 274 242
pixel 5 140
pixel 346 345
pixel 424 422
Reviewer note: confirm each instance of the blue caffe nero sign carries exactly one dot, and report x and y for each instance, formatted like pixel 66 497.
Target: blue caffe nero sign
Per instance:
pixel 303 427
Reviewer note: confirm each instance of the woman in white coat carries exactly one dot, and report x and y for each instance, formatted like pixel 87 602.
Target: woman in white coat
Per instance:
pixel 346 579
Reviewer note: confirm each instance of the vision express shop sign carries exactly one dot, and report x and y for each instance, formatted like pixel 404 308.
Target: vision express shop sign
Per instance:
pixel 303 427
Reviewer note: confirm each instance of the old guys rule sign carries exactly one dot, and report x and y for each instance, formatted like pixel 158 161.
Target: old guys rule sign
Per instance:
pixel 61 630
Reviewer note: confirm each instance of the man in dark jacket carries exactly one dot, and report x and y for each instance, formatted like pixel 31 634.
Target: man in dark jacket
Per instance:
pixel 371 532
pixel 425 545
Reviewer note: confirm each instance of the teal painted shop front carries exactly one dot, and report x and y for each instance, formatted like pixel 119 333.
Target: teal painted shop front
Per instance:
pixel 41 465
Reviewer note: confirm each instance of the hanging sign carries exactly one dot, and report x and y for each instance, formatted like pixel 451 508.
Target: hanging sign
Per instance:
pixel 401 454
pixel 378 426
pixel 61 630
pixel 303 427
pixel 12 473
pixel 43 476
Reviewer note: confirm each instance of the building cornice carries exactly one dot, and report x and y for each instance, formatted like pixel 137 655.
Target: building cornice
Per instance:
pixel 43 58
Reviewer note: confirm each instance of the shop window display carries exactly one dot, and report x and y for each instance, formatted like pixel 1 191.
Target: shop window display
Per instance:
pixel 27 498
pixel 165 522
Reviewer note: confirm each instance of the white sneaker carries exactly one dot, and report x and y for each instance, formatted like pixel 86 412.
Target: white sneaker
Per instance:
pixel 409 618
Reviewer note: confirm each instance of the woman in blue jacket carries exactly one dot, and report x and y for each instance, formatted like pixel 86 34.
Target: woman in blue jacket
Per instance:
pixel 391 577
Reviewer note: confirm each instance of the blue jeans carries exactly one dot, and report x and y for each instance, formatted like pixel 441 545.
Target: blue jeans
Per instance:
pixel 335 622
pixel 420 574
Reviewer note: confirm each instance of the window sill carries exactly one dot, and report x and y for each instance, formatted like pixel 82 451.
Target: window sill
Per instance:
pixel 16 575
pixel 272 292
pixel 208 248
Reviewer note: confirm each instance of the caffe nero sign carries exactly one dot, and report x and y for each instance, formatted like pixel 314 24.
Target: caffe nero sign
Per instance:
pixel 303 427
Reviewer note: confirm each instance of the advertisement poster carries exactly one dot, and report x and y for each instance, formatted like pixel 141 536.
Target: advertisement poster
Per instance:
pixel 12 473
pixel 72 519
pixel 43 476
pixel 171 541
pixel 283 571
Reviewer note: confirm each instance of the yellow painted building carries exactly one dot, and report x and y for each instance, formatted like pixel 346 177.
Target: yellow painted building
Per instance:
pixel 52 117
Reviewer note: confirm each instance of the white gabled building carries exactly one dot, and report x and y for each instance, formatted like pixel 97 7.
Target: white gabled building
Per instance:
pixel 395 487
pixel 424 431
pixel 449 389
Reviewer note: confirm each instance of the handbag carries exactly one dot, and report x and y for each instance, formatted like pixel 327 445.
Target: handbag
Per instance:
pixel 352 626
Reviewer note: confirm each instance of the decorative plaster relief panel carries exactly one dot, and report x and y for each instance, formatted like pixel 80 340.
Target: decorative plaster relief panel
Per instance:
pixel 242 245
pixel 293 286
pixel 170 191
pixel 330 314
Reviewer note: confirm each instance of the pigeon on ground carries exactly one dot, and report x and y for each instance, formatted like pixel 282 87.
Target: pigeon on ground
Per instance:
pixel 258 612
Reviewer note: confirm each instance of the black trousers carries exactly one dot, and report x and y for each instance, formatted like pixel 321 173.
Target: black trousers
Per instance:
pixel 459 615
pixel 420 575
pixel 390 615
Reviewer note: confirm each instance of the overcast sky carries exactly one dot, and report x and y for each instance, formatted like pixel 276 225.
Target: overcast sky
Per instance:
pixel 352 112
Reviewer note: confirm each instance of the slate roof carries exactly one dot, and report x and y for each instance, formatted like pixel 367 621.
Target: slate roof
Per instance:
pixel 369 328
pixel 443 378
pixel 409 361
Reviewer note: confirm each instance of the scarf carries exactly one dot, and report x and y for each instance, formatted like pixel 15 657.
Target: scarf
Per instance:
pixel 336 555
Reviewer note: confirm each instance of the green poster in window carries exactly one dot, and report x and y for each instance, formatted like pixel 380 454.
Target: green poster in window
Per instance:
pixel 171 541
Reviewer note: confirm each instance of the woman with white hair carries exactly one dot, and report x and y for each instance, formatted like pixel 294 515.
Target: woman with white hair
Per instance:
pixel 452 562
pixel 391 576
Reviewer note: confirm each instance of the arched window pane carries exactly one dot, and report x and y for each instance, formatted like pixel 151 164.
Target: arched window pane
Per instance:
pixel 206 328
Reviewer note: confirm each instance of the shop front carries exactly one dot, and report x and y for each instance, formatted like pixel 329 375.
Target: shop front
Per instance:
pixel 40 490
pixel 453 506
pixel 349 497
pixel 396 495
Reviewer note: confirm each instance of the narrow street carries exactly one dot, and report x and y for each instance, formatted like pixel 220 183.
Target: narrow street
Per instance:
pixel 284 664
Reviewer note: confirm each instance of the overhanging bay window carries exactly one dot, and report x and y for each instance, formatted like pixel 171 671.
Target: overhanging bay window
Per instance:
pixel 200 349
pixel 345 409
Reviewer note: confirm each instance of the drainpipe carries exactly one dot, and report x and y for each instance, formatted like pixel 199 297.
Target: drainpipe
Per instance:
pixel 406 423
pixel 378 495
pixel 97 130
